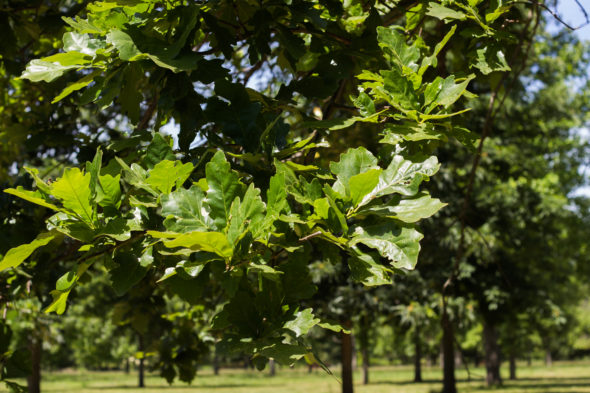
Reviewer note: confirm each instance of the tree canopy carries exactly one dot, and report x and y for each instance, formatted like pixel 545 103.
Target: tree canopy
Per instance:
pixel 302 131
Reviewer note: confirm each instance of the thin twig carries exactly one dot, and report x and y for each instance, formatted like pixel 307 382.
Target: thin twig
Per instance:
pixel 315 234
pixel 555 15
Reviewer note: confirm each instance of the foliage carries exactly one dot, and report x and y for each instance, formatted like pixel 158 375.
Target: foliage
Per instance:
pixel 233 218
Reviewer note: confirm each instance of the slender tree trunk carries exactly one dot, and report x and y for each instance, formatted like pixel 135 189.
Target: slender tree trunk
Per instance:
pixel 548 358
pixel 492 354
pixel 346 356
pixel 448 342
pixel 141 382
pixel 309 368
pixel 272 367
pixel 512 366
pixel 34 380
pixel 215 364
pixel 127 365
pixel 417 355
pixel 529 359
pixel 364 342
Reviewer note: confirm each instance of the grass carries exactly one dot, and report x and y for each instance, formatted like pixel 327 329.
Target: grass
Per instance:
pixel 562 377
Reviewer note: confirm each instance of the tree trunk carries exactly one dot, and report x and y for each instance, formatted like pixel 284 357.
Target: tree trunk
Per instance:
pixel 272 367
pixel 127 367
pixel 512 366
pixel 215 365
pixel 34 380
pixel 448 342
pixel 548 358
pixel 417 355
pixel 364 342
pixel 309 368
pixel 141 382
pixel 346 356
pixel 492 354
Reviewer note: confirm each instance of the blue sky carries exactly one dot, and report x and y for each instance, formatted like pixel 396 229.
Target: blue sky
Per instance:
pixel 571 13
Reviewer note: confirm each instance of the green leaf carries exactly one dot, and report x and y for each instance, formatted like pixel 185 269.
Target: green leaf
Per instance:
pixel 362 184
pixel 136 176
pixel 41 70
pixel 59 302
pixel 32 196
pixel 17 255
pixel 395 47
pixel 93 168
pixel 167 174
pixel 441 12
pixel 73 189
pixel 410 131
pixel 73 41
pixel 450 91
pixel 403 177
pixel 224 187
pixel 490 59
pixel 129 272
pixel 158 150
pixel 185 210
pixel 246 214
pixel 74 228
pixel 399 244
pixel 365 104
pixel 124 44
pixel 399 90
pixel 75 86
pixel 214 242
pixel 407 210
pixel 284 353
pixel 351 163
pixel 276 196
pixel 303 322
pixel 365 269
pixel 109 192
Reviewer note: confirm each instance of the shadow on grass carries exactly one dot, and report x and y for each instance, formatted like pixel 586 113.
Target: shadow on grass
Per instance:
pixel 205 387
pixel 554 384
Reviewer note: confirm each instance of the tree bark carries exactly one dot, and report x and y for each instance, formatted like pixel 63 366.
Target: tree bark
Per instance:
pixel 272 367
pixel 548 358
pixel 140 382
pixel 215 365
pixel 34 380
pixel 492 354
pixel 512 366
pixel 346 357
pixel 448 342
pixel 417 355
pixel 364 342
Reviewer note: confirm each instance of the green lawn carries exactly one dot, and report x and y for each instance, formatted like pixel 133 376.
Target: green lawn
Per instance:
pixel 562 377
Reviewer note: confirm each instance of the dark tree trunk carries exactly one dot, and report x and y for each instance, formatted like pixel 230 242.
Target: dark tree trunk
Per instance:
pixel 309 368
pixel 417 355
pixel 216 364
pixel 141 382
pixel 548 358
pixel 512 366
pixel 127 367
pixel 272 367
pixel 364 342
pixel 492 354
pixel 448 342
pixel 34 380
pixel 346 356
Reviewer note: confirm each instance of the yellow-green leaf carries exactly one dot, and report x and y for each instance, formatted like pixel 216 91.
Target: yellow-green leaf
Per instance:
pixel 17 255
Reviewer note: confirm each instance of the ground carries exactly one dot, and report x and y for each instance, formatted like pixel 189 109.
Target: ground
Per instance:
pixel 562 377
